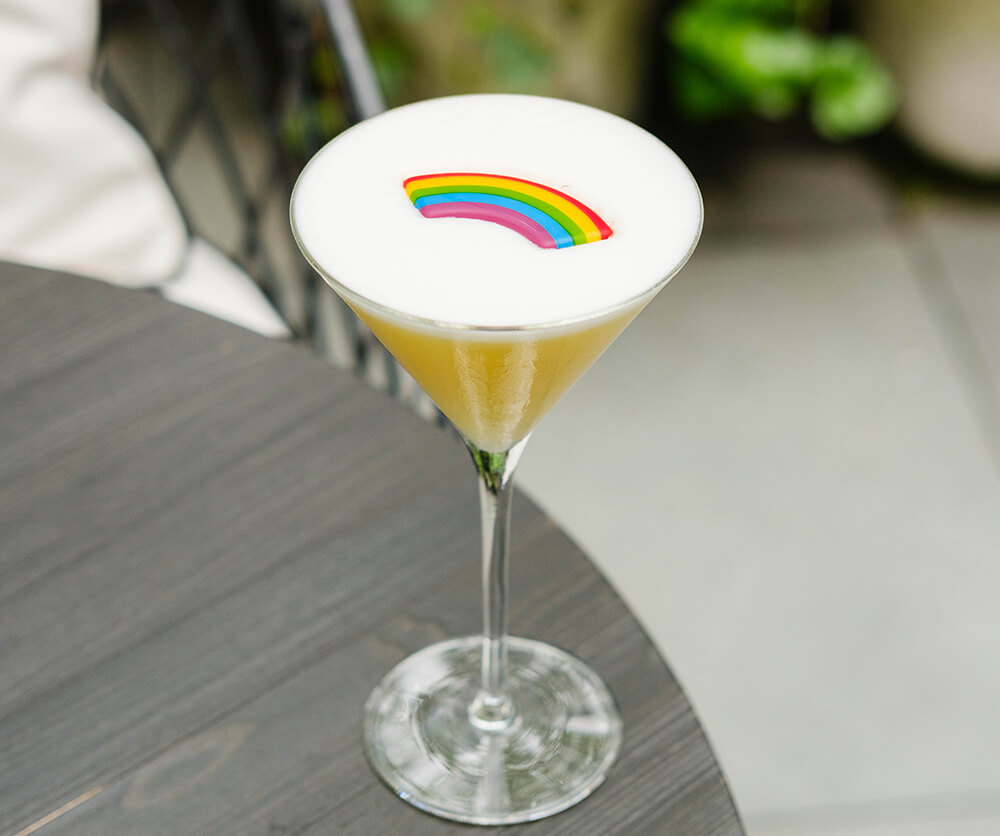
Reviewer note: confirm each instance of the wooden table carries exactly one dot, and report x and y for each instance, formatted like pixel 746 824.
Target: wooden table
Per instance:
pixel 212 546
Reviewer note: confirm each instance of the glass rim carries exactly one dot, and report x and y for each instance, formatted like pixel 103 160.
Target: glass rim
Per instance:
pixel 390 312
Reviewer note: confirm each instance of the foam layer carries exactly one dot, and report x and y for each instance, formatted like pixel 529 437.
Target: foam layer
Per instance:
pixel 356 223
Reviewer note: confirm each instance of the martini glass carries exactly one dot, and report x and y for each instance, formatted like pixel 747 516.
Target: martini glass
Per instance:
pixel 495 321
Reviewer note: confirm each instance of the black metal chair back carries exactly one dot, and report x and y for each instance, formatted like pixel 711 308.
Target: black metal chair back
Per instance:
pixel 233 98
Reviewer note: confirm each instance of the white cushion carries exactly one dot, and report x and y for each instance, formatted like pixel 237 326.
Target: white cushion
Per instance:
pixel 80 190
pixel 210 282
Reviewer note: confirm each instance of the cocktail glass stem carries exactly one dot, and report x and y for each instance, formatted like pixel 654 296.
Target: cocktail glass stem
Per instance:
pixel 493 708
pixel 492 729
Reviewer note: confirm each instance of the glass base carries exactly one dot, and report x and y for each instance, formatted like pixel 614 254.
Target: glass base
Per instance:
pixel 425 739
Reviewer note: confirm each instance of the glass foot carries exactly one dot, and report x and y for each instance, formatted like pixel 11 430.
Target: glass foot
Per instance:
pixel 551 750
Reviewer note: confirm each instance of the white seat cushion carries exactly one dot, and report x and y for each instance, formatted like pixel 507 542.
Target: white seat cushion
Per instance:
pixel 80 190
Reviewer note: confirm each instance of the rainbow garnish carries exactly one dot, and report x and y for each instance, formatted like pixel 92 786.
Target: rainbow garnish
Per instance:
pixel 545 216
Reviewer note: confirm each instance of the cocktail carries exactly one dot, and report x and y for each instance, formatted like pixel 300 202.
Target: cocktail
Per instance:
pixel 496 245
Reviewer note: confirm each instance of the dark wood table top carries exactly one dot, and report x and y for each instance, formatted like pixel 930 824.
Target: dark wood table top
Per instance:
pixel 213 546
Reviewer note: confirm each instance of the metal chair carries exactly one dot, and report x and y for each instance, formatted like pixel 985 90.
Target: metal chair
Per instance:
pixel 233 98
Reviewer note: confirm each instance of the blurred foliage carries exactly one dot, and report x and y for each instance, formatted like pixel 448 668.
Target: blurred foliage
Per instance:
pixel 478 44
pixel 726 58
pixel 593 51
pixel 767 57
pixel 321 113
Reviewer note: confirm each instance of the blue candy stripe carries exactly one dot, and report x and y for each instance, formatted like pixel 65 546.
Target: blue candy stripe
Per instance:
pixel 553 227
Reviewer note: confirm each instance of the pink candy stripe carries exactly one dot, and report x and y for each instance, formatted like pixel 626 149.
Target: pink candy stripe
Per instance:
pixel 534 232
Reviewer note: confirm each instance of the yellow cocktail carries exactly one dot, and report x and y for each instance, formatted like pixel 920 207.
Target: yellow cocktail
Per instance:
pixel 495 386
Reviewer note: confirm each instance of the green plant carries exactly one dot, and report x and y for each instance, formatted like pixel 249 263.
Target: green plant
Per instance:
pixel 767 56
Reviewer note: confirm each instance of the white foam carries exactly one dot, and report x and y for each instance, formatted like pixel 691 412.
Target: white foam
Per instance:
pixel 355 222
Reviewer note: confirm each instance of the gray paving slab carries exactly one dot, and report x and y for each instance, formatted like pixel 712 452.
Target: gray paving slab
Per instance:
pixel 779 467
pixel 784 190
pixel 962 238
pixel 972 824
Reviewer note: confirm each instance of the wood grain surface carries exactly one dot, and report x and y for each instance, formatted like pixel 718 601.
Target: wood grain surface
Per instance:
pixel 212 547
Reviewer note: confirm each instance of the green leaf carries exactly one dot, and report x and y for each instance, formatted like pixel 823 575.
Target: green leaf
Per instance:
pixel 393 66
pixel 853 93
pixel 409 10
pixel 516 58
pixel 701 96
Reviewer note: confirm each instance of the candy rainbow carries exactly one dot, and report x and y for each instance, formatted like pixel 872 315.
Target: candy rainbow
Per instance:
pixel 545 216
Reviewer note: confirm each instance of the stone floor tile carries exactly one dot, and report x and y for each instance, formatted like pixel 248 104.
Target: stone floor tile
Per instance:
pixel 919 822
pixel 963 241
pixel 791 189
